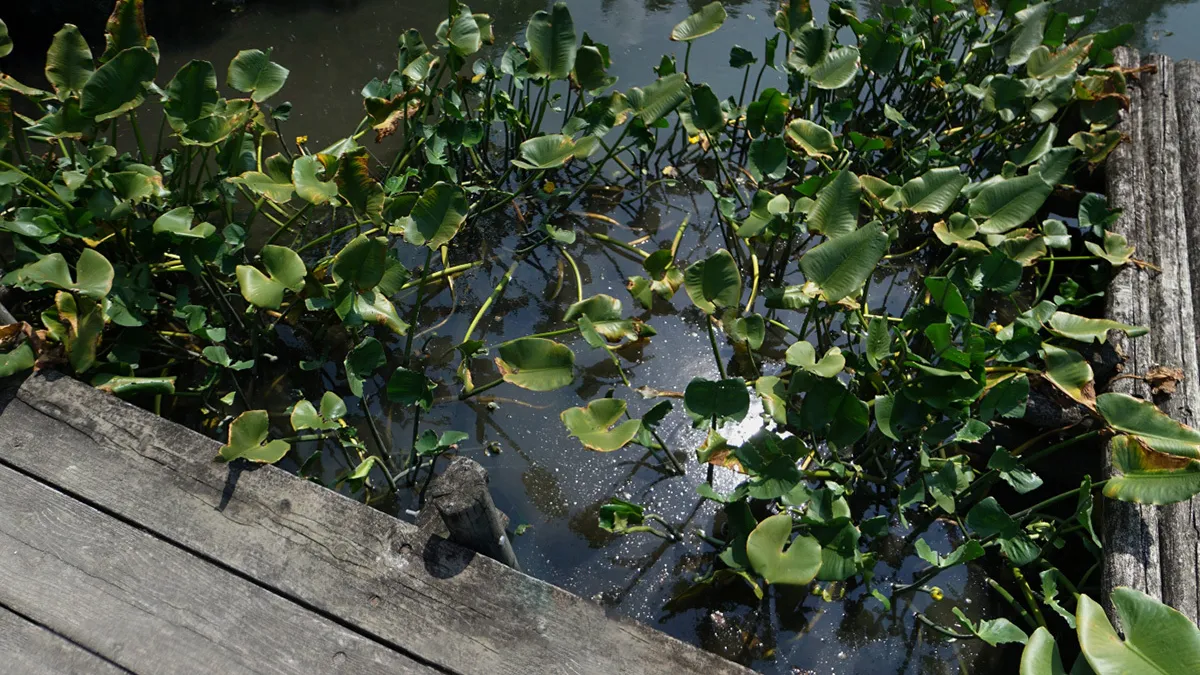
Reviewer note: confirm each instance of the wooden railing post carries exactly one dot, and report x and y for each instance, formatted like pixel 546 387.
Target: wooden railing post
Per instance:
pixel 461 498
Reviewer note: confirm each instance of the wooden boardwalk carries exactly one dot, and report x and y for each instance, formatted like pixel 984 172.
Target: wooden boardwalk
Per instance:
pixel 124 548
pixel 1154 176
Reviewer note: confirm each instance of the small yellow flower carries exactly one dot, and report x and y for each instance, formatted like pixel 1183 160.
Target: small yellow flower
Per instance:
pixel 549 187
pixel 301 140
pixel 938 82
pixel 692 140
pixel 995 327
pixel 477 78
pixel 937 594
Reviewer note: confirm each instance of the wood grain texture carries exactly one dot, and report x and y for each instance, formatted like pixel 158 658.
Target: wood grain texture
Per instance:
pixel 151 607
pixel 30 649
pixel 426 596
pixel 462 500
pixel 1151 177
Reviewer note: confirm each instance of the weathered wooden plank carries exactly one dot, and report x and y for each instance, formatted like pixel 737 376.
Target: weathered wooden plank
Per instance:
pixel 431 597
pixel 1154 550
pixel 1187 75
pixel 152 607
pixel 30 649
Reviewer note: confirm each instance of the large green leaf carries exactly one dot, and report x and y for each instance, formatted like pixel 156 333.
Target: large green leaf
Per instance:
pixel 1040 656
pixel 591 71
pixel 119 85
pixel 815 139
pixel 178 221
pixel 604 314
pixel 841 266
pixel 436 216
pixel 707 114
pixel 1086 329
pixel 6 43
pixel 935 191
pixel 835 212
pixel 463 35
pixel 706 21
pixel 1008 203
pixel 362 262
pixel 361 363
pixel 286 270
pixel 660 98
pixel 545 152
pixel 837 69
pixel 1144 476
pixel 17 360
pixel 247 440
pixel 1028 33
pixel 1158 639
pixel 306 416
pixel 191 95
pixel 93 273
pixel 714 283
pixel 551 38
pixel 1070 372
pixel 795 565
pixel 69 62
pixel 126 27
pixel 357 187
pixel 253 72
pixel 265 186
pixel 803 355
pixel 1044 63
pixel 408 387
pixel 723 399
pixel 1149 424
pixel 536 364
pixel 313 177
pixel 593 425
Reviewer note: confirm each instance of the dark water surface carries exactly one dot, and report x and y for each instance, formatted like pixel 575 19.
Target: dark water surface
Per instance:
pixel 542 478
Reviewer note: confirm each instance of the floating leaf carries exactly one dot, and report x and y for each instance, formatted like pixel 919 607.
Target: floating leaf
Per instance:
pixel 1149 424
pixel 536 364
pixel 253 72
pixel 841 266
pixel 436 216
pixel 1158 639
pixel 1144 476
pixel 247 440
pixel 797 565
pixel 604 314
pixel 714 283
pixel 1116 250
pixel 1008 203
pixel 593 425
pixel 706 21
pixel 305 416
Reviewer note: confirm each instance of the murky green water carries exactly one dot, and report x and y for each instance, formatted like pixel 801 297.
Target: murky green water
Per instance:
pixel 541 477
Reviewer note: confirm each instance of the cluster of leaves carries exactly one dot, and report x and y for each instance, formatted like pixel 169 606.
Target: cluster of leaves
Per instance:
pixel 188 273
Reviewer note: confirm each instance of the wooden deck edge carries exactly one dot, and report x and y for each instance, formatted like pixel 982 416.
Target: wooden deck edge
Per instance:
pixel 427 597
pixel 1154 177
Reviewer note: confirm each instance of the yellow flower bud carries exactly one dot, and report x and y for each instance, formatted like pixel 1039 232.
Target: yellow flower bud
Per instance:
pixel 549 187
pixel 937 594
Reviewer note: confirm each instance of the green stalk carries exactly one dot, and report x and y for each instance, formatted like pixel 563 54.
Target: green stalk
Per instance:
pixel 491 299
pixel 286 226
pixel 712 340
pixel 137 133
pixel 408 341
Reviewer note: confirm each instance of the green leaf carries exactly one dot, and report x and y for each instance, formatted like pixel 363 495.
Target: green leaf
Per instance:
pixel 536 364
pixel 660 98
pixel 545 152
pixel 134 386
pixel 1028 33
pixel 593 425
pixel 191 95
pixel 1013 472
pixel 408 387
pixel 1070 372
pixel 714 283
pixel 835 212
pixel 1040 656
pixel 1158 639
pixel 970 550
pixel 362 361
pixel 178 222
pixel 815 139
pixel 1149 424
pixel 307 174
pixel 286 270
pixel 265 186
pixel 1044 64
pixel 706 21
pixel 621 517
pixel 879 341
pixel 1008 203
pixel 6 43
pixel 993 632
pixel 305 416
pixel 935 191
pixel 247 440
pixel 707 114
pixel 94 274
pixel 768 158
pixel 797 565
pixel 604 314
pixel 69 62
pixel 841 266
pixel 1086 329
pixel 803 355
pixel 551 38
pixel 749 330
pixel 118 86
pixel 363 469
pixel 724 399
pixel 18 360
pixel 462 35
pixel 1144 476
pixel 253 72
pixel 361 263
pixel 357 187
pixel 436 216
pixel 590 69
pixel 837 69
pixel 1116 250
pixel 126 27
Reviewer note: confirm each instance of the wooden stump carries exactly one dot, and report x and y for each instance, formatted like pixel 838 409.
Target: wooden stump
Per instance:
pixel 461 497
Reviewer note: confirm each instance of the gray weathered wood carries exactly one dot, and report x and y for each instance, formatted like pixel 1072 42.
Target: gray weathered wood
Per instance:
pixel 1156 550
pixel 30 649
pixel 431 598
pixel 152 607
pixel 461 498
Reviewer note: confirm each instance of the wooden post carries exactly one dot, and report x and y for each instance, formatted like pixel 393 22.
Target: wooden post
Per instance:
pixel 460 496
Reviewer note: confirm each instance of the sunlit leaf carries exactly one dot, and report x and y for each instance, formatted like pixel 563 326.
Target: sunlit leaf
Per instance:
pixel 69 62
pixel 714 283
pixel 552 43
pixel 536 364
pixel 1157 638
pixel 935 191
pixel 1143 476
pixel 247 440
pixel 253 72
pixel 706 21
pixel 593 425
pixel 436 216
pixel 1150 425
pixel 777 561
pixel 840 266
pixel 119 85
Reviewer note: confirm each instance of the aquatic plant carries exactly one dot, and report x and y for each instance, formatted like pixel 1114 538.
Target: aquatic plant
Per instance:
pixel 951 142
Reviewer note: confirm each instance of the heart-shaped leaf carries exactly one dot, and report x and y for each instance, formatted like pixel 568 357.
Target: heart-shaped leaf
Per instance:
pixel 803 355
pixel 1040 656
pixel 305 416
pixel 660 98
pixel 357 187
pixel 723 399
pixel 714 283
pixel 286 271
pixel 835 212
pixel 815 139
pixel 69 62
pixel 837 69
pixel 536 364
pixel 1149 424
pixel 593 425
pixel 545 152
pixel 1158 639
pixel 361 263
pixel 840 266
pixel 1070 372
pixel 247 440
pixel 436 216
pixel 93 272
pixel 935 191
pixel 278 191
pixel 191 95
pixel 797 565
pixel 178 222
pixel 362 362
pixel 18 360
pixel 307 175
pixel 551 38
pixel 119 85
pixel 408 387
pixel 706 21
pixel 604 314
pixel 1008 203
pixel 1144 476
pixel 253 72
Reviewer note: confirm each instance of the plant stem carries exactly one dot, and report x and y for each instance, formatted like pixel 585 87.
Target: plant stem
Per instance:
pixel 712 340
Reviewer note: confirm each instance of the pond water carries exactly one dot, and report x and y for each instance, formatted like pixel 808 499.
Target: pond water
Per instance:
pixel 542 478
